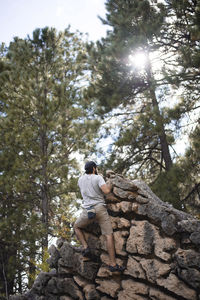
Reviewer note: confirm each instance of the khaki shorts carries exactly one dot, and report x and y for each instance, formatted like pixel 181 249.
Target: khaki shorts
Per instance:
pixel 102 218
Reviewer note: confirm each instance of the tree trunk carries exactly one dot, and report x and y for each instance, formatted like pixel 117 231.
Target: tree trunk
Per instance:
pixel 162 135
pixel 7 276
pixel 31 264
pixel 44 189
pixel 158 119
pixel 45 219
pixel 44 180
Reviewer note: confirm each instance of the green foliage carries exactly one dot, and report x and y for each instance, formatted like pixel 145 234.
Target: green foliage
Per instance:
pixel 44 124
pixel 65 217
pixel 190 165
pixel 116 86
pixel 166 186
pixel 147 107
pixel 40 266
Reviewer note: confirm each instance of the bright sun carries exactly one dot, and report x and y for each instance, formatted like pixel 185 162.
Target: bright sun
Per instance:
pixel 138 60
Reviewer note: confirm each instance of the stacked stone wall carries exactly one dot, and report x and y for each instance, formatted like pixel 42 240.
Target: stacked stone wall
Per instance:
pixel 158 245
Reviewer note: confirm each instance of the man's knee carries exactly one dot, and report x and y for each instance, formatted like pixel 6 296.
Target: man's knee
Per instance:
pixel 75 226
pixel 109 237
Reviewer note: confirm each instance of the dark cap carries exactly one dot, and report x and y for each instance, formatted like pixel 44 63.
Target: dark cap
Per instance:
pixel 89 165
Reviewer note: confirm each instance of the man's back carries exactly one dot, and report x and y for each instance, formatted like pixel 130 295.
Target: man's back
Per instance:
pixel 91 192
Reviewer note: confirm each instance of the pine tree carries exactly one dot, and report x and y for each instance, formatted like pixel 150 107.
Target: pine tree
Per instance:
pixel 44 123
pixel 139 101
pixel 135 27
pixel 190 165
pixel 182 41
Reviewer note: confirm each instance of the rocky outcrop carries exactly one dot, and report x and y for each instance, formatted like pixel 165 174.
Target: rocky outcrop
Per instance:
pixel 158 245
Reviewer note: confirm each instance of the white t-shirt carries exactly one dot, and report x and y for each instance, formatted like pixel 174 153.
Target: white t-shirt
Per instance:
pixel 89 185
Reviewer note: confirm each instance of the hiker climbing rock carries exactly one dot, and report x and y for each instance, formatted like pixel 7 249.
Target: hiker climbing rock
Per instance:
pixel 93 187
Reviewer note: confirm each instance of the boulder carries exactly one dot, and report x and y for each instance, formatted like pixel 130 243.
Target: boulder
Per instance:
pixel 157 244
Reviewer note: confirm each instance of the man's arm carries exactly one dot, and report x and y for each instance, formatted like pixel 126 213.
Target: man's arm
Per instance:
pixel 106 188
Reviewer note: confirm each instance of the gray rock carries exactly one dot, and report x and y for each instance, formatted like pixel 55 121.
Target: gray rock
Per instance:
pixel 30 295
pixel 156 294
pixel 168 225
pixel 108 286
pixel 87 269
pixel 158 245
pixel 63 270
pixel 91 292
pixel 52 286
pixel 50 297
pixel 68 286
pixel 124 184
pixel 110 174
pixel 66 253
pixel 189 226
pixel 173 284
pixel 65 298
pixel 124 194
pixel 154 269
pixel 144 190
pixel 195 237
pixel 153 211
pixel 141 199
pixel 164 247
pixel 190 276
pixel 41 282
pixel 93 243
pixel 55 255
pixel 17 297
pixel 60 242
pixel 133 290
pixel 134 268
pixel 141 238
pixel 187 258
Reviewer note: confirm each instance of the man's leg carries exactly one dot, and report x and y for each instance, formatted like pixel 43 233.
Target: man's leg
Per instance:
pixel 111 248
pixel 113 267
pixel 80 236
pixel 82 222
pixel 106 229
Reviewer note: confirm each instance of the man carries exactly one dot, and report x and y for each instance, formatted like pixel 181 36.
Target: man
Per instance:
pixel 93 188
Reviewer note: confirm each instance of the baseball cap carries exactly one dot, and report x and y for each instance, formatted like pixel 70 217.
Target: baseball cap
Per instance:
pixel 89 165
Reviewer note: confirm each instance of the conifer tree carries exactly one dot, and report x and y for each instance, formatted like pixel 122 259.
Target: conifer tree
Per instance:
pixel 141 99
pixel 182 41
pixel 44 122
pixel 190 165
pixel 135 27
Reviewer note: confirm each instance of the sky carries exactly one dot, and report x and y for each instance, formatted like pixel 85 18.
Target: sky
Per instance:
pixel 21 17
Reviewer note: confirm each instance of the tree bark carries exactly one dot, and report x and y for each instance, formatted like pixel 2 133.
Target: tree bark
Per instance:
pixel 159 119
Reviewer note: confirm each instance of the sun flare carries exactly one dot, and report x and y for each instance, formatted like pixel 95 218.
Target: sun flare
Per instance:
pixel 138 60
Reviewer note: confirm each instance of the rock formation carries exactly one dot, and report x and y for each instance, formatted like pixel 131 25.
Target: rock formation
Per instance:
pixel 158 245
